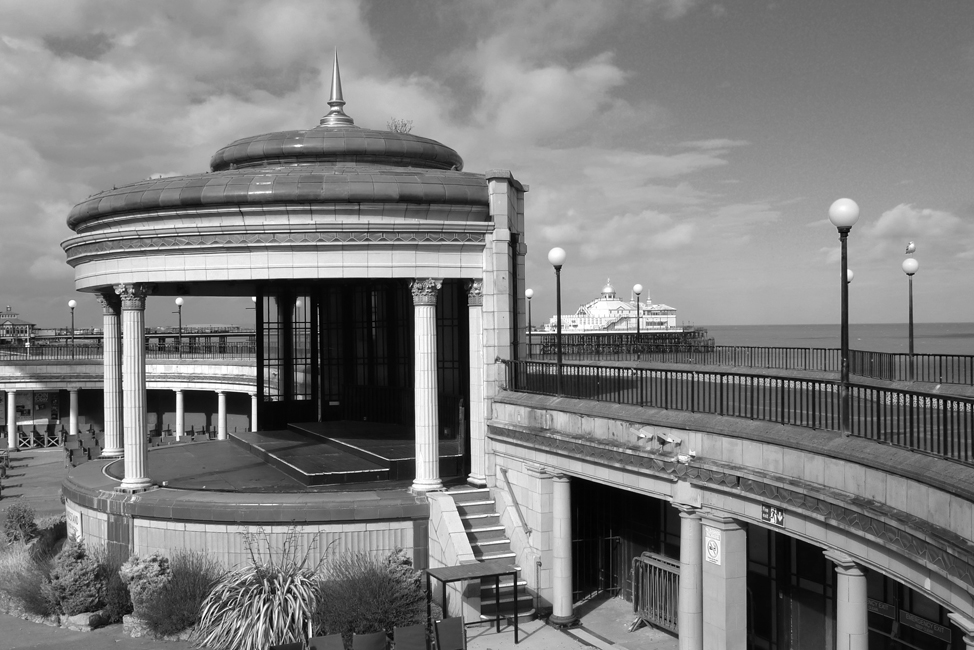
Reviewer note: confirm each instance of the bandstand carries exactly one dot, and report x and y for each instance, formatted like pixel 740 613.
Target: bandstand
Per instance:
pixel 384 276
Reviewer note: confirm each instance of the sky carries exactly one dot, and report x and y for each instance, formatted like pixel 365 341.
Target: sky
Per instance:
pixel 692 147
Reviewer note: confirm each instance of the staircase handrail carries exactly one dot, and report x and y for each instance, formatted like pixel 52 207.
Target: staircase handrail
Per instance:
pixel 517 506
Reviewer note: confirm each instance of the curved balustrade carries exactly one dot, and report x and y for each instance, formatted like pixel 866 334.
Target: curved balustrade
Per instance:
pixel 887 366
pixel 934 424
pixel 10 353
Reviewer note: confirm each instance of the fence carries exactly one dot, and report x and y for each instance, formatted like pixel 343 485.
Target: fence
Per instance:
pixel 888 366
pixel 934 424
pixel 656 590
pixel 188 351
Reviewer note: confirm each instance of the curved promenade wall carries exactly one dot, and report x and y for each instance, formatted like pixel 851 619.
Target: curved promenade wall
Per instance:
pixel 904 514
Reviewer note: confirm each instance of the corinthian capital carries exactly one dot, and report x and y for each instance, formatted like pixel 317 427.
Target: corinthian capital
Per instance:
pixel 425 291
pixel 109 302
pixel 132 295
pixel 475 293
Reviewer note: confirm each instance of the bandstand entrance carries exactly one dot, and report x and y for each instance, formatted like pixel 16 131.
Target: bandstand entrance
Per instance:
pixel 335 350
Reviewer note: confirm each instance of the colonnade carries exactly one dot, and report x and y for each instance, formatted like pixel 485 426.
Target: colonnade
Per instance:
pixel 712 598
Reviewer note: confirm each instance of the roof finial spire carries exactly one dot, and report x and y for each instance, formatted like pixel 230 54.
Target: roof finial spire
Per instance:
pixel 336 116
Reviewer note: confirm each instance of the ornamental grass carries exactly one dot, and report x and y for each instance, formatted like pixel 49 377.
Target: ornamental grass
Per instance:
pixel 267 602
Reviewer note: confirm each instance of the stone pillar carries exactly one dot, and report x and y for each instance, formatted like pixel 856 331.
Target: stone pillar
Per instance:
pixel 478 429
pixel 966 626
pixel 851 613
pixel 253 411
pixel 11 420
pixel 724 584
pixel 133 386
pixel 690 607
pixel 424 386
pixel 180 414
pixel 73 411
pixel 112 346
pixel 221 415
pixel 563 611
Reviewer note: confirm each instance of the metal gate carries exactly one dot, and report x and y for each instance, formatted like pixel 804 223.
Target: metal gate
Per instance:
pixel 656 590
pixel 596 567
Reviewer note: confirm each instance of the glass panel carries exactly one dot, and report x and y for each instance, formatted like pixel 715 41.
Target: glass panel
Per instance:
pixel 273 350
pixel 301 348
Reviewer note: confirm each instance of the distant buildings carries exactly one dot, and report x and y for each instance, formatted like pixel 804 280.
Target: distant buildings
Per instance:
pixel 608 313
pixel 13 328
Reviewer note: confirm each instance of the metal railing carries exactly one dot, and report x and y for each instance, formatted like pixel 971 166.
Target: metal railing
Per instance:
pixel 656 590
pixel 934 424
pixel 10 353
pixel 888 366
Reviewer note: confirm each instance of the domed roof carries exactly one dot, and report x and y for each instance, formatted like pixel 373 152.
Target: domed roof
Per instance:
pixel 335 162
pixel 608 291
pixel 327 144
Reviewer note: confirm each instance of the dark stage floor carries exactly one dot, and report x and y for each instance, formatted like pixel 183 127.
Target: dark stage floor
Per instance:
pixel 319 456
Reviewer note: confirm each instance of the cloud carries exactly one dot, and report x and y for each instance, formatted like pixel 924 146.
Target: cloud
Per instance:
pixel 714 144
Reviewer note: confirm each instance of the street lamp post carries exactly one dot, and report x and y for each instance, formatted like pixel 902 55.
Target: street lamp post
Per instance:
pixel 910 267
pixel 529 293
pixel 844 213
pixel 556 256
pixel 637 289
pixel 179 339
pixel 71 305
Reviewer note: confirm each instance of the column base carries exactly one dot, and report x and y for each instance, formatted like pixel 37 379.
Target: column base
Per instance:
pixel 421 487
pixel 563 621
pixel 140 485
pixel 477 481
pixel 112 453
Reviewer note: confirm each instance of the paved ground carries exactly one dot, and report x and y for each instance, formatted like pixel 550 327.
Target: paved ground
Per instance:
pixel 35 478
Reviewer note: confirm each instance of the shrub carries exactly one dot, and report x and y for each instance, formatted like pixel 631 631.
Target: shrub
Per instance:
pixel 19 525
pixel 266 602
pixel 77 580
pixel 51 533
pixel 118 603
pixel 25 579
pixel 144 577
pixel 176 606
pixel 365 594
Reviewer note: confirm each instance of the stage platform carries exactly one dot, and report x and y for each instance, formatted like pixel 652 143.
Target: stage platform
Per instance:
pixel 340 452
pixel 316 456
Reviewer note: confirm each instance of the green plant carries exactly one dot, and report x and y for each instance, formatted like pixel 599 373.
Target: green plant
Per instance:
pixel 145 576
pixel 50 535
pixel 25 579
pixel 364 594
pixel 19 525
pixel 77 580
pixel 269 601
pixel 176 606
pixel 118 603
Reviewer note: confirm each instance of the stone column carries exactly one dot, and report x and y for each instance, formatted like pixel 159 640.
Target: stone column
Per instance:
pixel 73 411
pixel 133 386
pixel 253 411
pixel 724 584
pixel 424 386
pixel 478 430
pixel 180 414
pixel 966 626
pixel 563 611
pixel 221 415
pixel 11 420
pixel 851 613
pixel 690 607
pixel 112 346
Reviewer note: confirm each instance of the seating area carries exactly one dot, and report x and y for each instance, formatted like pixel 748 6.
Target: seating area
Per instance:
pixel 449 634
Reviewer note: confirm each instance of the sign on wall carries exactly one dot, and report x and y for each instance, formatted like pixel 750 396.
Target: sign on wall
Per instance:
pixel 773 515
pixel 712 545
pixel 73 518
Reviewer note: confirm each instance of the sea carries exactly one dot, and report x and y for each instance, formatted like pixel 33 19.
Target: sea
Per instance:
pixel 928 338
